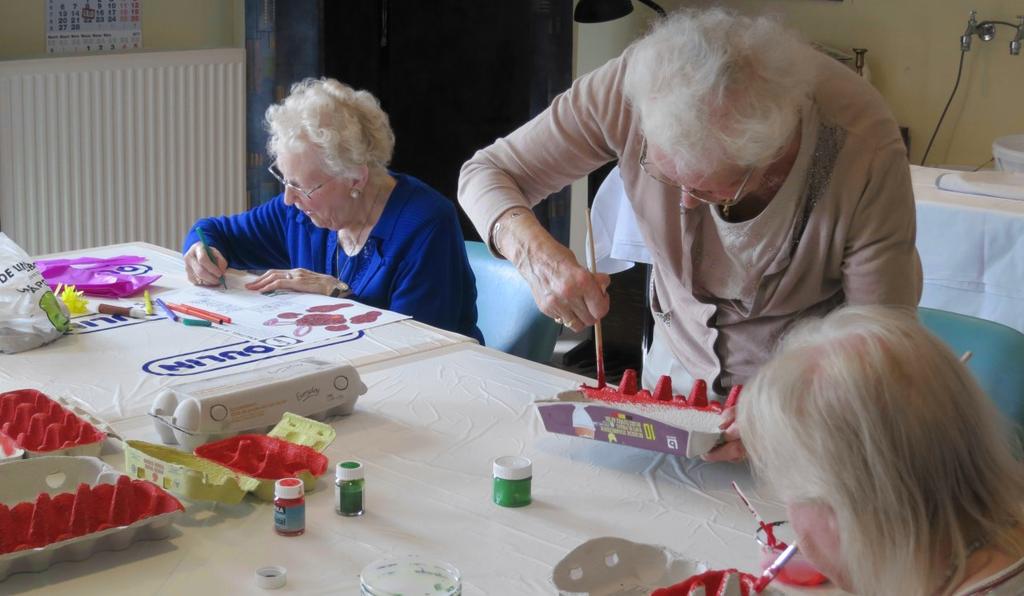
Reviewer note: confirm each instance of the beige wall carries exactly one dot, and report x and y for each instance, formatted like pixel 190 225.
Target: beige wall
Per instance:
pixel 913 52
pixel 166 25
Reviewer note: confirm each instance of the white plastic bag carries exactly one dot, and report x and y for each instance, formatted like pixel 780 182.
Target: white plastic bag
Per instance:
pixel 30 315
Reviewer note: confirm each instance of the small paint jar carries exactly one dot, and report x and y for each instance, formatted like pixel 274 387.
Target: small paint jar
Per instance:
pixel 348 488
pixel 289 507
pixel 513 476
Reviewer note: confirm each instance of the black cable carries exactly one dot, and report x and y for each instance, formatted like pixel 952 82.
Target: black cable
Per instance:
pixel 990 160
pixel 956 85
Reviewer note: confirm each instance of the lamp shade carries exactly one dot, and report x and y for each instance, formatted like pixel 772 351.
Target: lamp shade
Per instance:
pixel 600 11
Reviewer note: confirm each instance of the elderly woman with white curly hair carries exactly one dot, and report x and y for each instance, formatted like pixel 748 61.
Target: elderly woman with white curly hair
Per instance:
pixel 897 472
pixel 769 183
pixel 345 226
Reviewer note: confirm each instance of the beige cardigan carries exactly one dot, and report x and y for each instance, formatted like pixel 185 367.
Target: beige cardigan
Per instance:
pixel 852 241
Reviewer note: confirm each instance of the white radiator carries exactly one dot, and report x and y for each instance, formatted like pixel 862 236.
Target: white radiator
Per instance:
pixel 104 149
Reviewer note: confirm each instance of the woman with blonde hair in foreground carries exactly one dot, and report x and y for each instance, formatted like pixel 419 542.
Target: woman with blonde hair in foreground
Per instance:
pixel 897 471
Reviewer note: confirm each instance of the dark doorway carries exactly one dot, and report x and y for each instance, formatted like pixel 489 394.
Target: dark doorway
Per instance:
pixel 454 76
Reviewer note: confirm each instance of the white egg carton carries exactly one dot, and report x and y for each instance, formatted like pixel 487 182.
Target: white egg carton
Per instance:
pixel 198 412
pixel 611 566
pixel 23 480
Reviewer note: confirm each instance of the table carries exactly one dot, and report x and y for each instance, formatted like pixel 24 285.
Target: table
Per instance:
pixel 113 366
pixel 427 430
pixel 971 247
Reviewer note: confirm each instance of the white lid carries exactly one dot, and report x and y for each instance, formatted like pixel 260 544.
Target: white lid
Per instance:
pixel 288 488
pixel 513 467
pixel 349 470
pixel 271 577
pixel 1012 145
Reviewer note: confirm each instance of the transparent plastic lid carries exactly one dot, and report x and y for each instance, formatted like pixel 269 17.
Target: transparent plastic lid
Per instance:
pixel 410 574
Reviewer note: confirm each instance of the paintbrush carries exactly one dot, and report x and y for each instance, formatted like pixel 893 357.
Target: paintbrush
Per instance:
pixel 769 535
pixel 773 570
pixel 598 338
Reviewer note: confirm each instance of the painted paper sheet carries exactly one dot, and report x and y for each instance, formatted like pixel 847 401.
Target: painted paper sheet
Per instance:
pixel 311 317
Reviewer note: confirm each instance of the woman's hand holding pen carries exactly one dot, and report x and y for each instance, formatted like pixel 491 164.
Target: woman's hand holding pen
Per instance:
pixel 200 269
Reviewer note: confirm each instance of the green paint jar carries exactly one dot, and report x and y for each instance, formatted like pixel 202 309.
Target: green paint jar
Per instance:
pixel 513 476
pixel 348 488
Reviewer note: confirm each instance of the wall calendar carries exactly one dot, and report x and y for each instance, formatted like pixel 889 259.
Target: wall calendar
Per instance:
pixel 93 26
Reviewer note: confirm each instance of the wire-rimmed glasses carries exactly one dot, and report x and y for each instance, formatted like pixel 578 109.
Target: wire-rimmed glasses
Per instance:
pixel 276 173
pixel 651 170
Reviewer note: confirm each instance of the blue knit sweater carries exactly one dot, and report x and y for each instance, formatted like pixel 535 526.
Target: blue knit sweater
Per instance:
pixel 413 262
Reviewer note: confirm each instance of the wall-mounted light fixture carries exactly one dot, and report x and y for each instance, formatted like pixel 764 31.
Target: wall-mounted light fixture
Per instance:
pixel 986 31
pixel 600 11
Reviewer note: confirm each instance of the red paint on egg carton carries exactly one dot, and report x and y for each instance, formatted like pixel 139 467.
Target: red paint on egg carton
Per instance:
pixel 711 583
pixel 7 446
pixel 628 392
pixel 37 423
pixel 264 457
pixel 87 510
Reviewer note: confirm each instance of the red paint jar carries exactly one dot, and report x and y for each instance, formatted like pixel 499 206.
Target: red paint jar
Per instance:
pixel 289 507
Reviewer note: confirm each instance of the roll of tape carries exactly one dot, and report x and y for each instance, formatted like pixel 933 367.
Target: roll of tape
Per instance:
pixel 271 577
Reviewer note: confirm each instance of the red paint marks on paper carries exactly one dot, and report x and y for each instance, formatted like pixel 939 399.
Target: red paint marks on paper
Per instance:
pixel 367 317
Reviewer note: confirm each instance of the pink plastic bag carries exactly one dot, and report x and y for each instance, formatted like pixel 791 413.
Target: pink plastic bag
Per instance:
pixel 94 276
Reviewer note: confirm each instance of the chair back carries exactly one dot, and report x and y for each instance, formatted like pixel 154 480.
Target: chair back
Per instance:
pixel 506 313
pixel 997 359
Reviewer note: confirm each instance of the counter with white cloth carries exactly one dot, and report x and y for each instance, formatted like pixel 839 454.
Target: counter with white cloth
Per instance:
pixel 971 246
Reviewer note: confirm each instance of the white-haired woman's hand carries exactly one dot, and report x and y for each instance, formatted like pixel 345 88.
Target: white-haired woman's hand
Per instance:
pixel 296 280
pixel 562 289
pixel 732 449
pixel 200 269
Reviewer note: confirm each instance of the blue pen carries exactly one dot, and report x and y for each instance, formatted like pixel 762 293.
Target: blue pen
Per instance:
pixel 167 310
pixel 209 253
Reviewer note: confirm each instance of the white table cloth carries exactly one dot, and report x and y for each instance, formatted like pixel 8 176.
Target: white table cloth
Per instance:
pixel 427 431
pixel 971 247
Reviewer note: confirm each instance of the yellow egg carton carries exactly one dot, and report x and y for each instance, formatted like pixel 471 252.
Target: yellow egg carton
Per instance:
pixel 195 477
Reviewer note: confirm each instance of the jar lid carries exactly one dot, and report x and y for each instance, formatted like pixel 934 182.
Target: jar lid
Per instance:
pixel 288 488
pixel 513 467
pixel 271 577
pixel 349 470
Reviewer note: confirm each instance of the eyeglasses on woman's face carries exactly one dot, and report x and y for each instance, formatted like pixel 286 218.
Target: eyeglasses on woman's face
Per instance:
pixel 307 194
pixel 703 196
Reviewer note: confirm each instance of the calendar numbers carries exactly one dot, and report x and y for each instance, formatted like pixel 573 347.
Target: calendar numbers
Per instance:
pixel 93 25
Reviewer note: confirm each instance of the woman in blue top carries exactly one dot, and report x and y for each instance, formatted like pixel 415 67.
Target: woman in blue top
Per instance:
pixel 345 226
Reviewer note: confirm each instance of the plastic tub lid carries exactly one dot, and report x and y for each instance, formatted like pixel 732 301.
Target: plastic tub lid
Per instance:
pixel 1012 145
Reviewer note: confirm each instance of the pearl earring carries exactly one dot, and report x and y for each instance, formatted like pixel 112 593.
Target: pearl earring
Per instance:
pixel 355 193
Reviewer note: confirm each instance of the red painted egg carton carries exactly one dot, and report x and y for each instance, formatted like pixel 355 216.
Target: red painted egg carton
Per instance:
pixel 266 459
pixel 9 449
pixel 42 425
pixel 717 582
pixel 688 425
pixel 61 508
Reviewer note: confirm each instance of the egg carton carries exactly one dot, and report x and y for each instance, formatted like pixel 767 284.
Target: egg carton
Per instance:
pixel 252 401
pixel 9 449
pixel 40 484
pixel 224 471
pixel 686 425
pixel 41 425
pixel 612 566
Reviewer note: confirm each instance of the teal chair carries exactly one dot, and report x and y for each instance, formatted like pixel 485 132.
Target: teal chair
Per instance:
pixel 506 312
pixel 998 356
